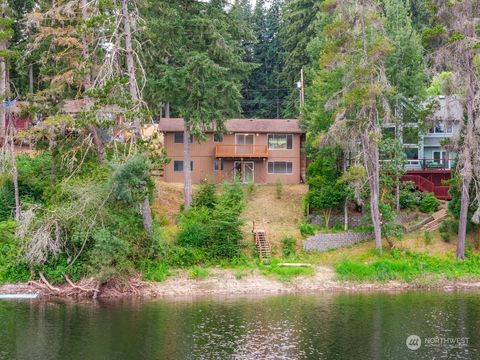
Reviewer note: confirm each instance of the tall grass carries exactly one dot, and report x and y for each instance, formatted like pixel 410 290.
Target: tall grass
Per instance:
pixel 408 266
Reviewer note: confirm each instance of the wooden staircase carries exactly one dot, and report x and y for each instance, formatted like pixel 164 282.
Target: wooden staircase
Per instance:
pixel 261 241
pixel 437 218
pixel 425 185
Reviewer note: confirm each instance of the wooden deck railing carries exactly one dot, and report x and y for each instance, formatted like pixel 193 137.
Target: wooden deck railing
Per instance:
pixel 246 151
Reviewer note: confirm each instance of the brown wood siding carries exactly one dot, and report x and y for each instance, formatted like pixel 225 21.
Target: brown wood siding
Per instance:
pixel 203 155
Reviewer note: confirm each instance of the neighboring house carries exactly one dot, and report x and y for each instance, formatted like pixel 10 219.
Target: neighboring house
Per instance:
pixel 251 150
pixel 429 160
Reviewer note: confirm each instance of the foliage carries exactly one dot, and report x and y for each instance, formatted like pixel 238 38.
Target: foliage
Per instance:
pixel 427 237
pixel 306 229
pixel 216 230
pixel 429 203
pixel 205 196
pixel 12 269
pixel 198 272
pixel 278 188
pixel 409 198
pixel 289 244
pixel 408 266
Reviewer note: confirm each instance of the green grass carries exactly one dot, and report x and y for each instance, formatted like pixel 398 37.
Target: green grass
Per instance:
pixel 156 272
pixel 408 266
pixel 197 272
pixel 284 273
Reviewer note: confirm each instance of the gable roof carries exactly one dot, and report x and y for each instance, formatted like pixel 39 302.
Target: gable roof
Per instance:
pixel 290 126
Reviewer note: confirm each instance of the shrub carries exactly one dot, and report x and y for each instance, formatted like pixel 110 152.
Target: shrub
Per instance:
pixel 155 271
pixel 198 272
pixel 306 229
pixel 216 230
pixel 429 203
pixel 205 196
pixel 178 256
pixel 278 188
pixel 289 244
pixel 11 267
pixel 408 199
pixel 448 229
pixel 108 257
pixel 427 237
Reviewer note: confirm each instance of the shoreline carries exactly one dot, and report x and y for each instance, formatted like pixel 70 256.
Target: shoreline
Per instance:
pixel 222 282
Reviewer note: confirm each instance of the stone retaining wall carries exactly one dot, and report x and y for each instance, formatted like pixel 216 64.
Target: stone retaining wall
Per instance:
pixel 322 242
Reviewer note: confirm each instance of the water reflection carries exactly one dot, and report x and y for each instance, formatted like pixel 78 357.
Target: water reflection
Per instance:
pixel 324 326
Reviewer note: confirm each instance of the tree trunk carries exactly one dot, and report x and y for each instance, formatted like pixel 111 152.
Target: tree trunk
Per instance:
pixel 30 78
pixel 2 96
pixel 397 195
pixel 97 142
pixel 345 206
pixel 466 161
pixel 132 81
pixel 14 171
pixel 187 171
pixel 147 215
pixel 373 172
pixel 167 110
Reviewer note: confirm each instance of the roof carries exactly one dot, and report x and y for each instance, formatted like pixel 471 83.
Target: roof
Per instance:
pixel 290 126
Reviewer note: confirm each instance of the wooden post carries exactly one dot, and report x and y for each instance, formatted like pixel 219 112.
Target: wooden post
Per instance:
pixel 264 170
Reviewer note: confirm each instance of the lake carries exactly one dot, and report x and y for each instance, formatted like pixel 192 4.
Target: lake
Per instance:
pixel 323 326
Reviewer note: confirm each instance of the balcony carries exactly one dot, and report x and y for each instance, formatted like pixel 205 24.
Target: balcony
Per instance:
pixel 430 164
pixel 241 151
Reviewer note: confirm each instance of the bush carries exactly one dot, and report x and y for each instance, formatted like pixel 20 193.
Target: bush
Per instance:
pixel 306 229
pixel 198 272
pixel 408 199
pixel 216 230
pixel 448 229
pixel 429 204
pixel 427 237
pixel 155 271
pixel 205 196
pixel 178 256
pixel 289 244
pixel 11 267
pixel 278 188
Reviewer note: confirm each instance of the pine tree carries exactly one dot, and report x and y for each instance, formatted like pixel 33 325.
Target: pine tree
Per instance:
pixel 299 27
pixel 405 64
pixel 357 46
pixel 6 33
pixel 204 67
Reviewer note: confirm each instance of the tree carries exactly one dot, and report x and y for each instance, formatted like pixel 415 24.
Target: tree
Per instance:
pixel 458 50
pixel 391 170
pixel 6 34
pixel 405 64
pixel 262 92
pixel 299 27
pixel 357 45
pixel 204 67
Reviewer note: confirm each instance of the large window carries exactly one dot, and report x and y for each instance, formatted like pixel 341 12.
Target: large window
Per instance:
pixel 441 128
pixel 178 138
pixel 280 167
pixel 178 165
pixel 280 141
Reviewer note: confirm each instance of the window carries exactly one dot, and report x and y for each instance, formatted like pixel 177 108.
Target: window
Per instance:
pixel 441 128
pixel 178 165
pixel 410 135
pixel 218 164
pixel 412 153
pixel 244 139
pixel 280 167
pixel 280 141
pixel 218 137
pixel 178 138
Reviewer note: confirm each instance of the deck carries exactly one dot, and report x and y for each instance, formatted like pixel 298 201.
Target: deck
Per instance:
pixel 241 151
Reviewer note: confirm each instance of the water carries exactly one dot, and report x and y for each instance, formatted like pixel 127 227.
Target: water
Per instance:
pixel 324 326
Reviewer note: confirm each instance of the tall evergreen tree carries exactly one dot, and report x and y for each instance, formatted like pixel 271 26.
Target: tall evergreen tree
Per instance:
pixel 202 68
pixel 6 33
pixel 263 93
pixel 299 27
pixel 405 64
pixel 357 47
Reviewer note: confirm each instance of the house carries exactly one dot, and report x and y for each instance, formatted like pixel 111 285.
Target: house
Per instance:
pixel 430 161
pixel 251 151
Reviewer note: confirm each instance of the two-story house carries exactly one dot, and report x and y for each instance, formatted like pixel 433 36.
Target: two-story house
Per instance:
pixel 251 150
pixel 430 160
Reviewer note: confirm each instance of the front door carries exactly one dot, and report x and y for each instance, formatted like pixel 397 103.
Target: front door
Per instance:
pixel 244 172
pixel 441 158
